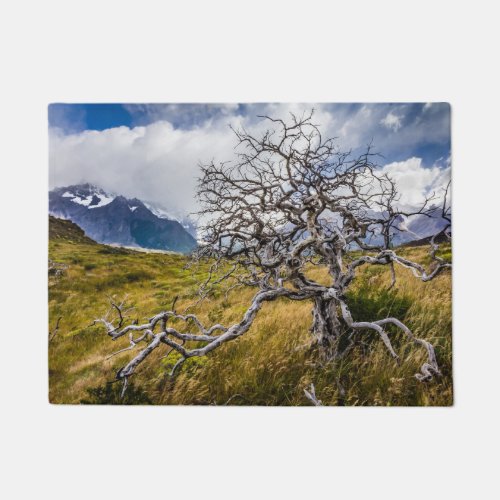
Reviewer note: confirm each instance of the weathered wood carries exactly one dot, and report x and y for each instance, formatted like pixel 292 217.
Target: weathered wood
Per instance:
pixel 290 200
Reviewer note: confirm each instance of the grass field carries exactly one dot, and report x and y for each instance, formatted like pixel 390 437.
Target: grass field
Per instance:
pixel 270 365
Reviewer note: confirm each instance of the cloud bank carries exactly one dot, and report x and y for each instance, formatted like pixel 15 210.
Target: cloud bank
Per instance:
pixel 415 182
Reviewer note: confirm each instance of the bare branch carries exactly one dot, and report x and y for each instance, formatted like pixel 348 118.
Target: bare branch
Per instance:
pixel 311 396
pixel 55 330
pixel 289 201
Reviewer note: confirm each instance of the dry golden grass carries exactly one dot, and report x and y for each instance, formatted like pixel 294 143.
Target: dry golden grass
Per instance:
pixel 270 365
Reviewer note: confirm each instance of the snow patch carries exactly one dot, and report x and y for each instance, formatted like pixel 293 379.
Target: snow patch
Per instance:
pixel 104 200
pixel 85 201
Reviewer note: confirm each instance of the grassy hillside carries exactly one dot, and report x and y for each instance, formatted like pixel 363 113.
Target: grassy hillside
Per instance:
pixel 60 229
pixel 270 365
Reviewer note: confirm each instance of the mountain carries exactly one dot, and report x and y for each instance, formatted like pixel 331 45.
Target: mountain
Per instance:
pixel 440 238
pixel 114 219
pixel 185 221
pixel 407 229
pixel 419 227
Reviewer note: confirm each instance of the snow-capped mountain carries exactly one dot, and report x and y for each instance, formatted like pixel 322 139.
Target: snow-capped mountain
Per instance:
pixel 114 219
pixel 186 221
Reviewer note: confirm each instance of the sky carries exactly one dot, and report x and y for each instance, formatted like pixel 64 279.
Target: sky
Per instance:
pixel 153 151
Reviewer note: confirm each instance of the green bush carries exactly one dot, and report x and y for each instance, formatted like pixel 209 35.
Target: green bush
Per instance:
pixel 138 276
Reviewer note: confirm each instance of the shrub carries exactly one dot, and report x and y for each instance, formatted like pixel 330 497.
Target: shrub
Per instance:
pixel 110 394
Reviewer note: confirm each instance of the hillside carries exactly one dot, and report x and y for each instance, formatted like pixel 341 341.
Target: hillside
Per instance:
pixel 270 365
pixel 60 229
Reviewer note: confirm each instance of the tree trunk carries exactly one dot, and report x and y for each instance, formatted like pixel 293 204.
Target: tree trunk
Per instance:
pixel 327 326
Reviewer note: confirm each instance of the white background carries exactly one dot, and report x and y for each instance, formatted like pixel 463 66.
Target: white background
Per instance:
pixel 97 51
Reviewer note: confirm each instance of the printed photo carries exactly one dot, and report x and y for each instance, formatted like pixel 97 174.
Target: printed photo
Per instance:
pixel 253 254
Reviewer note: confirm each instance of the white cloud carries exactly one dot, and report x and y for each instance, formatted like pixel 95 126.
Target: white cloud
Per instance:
pixel 392 121
pixel 414 182
pixel 155 163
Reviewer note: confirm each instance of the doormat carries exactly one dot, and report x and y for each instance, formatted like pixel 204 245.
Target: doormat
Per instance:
pixel 256 254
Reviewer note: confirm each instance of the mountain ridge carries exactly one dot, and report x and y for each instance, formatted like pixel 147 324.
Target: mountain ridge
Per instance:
pixel 111 218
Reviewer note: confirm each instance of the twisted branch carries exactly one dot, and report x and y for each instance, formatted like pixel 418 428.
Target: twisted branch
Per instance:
pixel 289 201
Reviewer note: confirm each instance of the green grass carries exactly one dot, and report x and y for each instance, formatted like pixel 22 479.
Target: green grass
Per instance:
pixel 270 365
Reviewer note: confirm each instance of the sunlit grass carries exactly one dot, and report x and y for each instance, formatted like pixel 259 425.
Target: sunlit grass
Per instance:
pixel 270 365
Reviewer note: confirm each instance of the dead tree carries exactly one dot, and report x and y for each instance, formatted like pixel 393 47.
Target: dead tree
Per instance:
pixel 292 200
